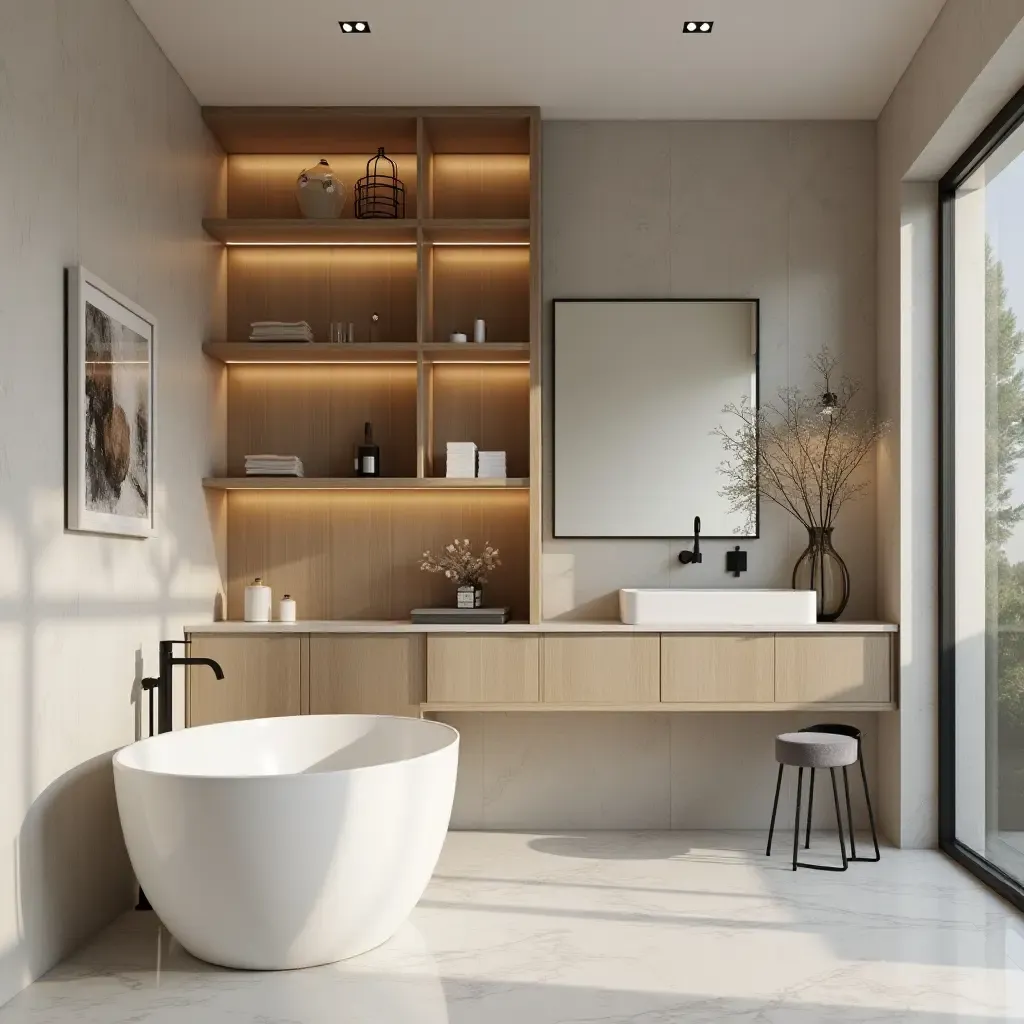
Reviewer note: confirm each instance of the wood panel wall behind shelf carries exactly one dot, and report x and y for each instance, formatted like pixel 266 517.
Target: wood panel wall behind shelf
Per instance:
pixel 489 405
pixel 317 412
pixel 356 556
pixel 321 284
pixel 488 282
pixel 263 185
pixel 480 185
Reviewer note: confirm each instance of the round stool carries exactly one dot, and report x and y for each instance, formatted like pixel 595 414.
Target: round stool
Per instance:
pixel 812 750
pixel 854 733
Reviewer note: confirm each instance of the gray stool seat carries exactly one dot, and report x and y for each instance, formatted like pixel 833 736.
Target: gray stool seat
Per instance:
pixel 815 750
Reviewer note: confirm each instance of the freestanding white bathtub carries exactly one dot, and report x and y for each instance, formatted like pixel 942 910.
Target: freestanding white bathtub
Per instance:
pixel 287 842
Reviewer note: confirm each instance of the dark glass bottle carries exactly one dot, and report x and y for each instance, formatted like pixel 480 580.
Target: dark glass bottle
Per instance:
pixel 367 454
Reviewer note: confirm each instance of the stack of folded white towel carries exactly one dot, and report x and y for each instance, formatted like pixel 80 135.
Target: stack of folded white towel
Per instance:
pixel 273 465
pixel 275 330
pixel 461 459
pixel 492 465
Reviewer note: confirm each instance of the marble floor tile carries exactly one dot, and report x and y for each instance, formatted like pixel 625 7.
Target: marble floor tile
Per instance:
pixel 602 928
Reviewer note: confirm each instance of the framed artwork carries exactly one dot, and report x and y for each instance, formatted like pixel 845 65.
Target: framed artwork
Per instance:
pixel 111 348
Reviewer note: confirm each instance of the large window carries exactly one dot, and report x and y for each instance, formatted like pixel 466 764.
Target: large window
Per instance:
pixel 982 556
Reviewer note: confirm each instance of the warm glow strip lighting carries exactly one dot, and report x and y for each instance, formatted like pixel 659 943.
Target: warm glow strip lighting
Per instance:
pixel 375 362
pixel 475 245
pixel 360 245
pixel 386 245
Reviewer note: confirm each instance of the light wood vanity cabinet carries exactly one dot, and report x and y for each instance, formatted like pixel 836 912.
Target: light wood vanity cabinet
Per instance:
pixel 846 669
pixel 405 673
pixel 596 669
pixel 366 675
pixel 467 669
pixel 718 669
pixel 262 678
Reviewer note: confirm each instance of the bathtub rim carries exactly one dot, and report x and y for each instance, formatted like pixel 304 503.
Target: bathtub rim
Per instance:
pixel 120 765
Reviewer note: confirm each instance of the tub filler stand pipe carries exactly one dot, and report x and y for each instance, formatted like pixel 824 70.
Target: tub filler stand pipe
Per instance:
pixel 164 686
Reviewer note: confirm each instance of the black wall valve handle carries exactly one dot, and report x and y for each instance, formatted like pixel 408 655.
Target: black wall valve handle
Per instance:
pixel 694 556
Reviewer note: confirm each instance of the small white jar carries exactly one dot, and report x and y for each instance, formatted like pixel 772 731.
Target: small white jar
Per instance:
pixel 257 601
pixel 286 609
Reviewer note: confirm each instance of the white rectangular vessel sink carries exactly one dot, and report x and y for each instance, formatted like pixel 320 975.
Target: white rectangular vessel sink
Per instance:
pixel 738 608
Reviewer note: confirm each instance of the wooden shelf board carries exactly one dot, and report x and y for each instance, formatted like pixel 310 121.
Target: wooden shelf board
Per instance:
pixel 350 231
pixel 304 352
pixel 821 706
pixel 489 352
pixel 231 352
pixel 359 483
pixel 299 231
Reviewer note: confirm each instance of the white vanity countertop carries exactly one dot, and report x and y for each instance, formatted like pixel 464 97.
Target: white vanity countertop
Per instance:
pixel 404 626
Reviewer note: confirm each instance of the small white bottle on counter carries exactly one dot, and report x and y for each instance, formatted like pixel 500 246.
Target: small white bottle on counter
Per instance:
pixel 257 601
pixel 286 609
pixel 479 331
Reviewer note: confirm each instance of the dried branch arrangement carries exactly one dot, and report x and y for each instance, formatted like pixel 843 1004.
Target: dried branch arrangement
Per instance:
pixel 800 452
pixel 460 565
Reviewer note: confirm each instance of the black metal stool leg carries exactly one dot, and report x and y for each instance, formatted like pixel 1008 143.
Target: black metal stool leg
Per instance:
pixel 796 826
pixel 871 816
pixel 839 818
pixel 839 824
pixel 775 808
pixel 849 815
pixel 810 812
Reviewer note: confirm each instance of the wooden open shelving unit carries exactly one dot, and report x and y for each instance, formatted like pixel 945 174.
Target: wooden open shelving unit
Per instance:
pixel 468 248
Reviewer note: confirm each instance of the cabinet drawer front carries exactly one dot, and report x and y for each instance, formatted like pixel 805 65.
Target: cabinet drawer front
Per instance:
pixel 718 669
pixel 601 669
pixel 262 678
pixel 845 669
pixel 483 669
pixel 366 675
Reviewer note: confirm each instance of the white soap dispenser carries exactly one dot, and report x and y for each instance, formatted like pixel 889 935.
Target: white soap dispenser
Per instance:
pixel 257 601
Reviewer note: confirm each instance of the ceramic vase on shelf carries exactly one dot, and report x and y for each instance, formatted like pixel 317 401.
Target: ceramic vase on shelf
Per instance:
pixel 320 194
pixel 821 569
pixel 469 597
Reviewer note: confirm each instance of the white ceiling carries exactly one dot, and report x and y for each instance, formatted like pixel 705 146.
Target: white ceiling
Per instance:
pixel 573 58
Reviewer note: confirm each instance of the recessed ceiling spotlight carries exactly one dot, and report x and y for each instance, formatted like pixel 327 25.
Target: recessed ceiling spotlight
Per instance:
pixel 697 26
pixel 355 26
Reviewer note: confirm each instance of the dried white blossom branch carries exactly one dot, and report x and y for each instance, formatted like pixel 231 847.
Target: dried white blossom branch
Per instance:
pixel 801 452
pixel 460 565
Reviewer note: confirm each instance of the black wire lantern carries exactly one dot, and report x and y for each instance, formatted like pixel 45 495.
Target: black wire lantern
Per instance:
pixel 380 193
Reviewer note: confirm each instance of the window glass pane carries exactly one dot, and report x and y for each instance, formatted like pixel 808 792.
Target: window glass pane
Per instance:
pixel 989 508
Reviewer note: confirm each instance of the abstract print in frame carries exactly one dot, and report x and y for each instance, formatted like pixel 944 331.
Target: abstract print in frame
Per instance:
pixel 111 391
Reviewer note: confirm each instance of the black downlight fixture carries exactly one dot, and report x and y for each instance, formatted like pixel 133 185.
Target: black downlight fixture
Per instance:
pixel 698 26
pixel 355 27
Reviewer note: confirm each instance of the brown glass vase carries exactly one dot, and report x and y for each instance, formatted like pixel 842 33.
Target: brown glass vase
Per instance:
pixel 821 569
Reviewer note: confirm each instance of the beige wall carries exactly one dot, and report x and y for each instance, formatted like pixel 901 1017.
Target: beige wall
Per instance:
pixel 103 160
pixel 603 770
pixel 783 212
pixel 969 64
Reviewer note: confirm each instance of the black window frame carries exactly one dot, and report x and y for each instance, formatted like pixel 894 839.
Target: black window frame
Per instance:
pixel 998 130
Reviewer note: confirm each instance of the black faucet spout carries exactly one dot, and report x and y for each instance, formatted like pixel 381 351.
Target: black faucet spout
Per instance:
pixel 164 684
pixel 208 662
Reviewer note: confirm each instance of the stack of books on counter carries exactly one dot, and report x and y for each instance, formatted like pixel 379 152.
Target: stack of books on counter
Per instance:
pixel 461 459
pixel 492 465
pixel 273 465
pixel 275 330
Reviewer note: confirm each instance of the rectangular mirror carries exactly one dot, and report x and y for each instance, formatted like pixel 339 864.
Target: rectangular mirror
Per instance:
pixel 639 388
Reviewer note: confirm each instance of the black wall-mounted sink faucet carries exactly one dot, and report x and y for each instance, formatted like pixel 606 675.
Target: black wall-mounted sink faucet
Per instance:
pixel 163 684
pixel 690 557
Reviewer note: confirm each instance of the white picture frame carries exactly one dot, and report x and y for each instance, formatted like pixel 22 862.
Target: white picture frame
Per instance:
pixel 111 406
